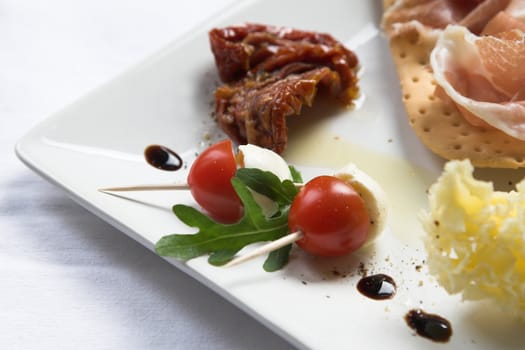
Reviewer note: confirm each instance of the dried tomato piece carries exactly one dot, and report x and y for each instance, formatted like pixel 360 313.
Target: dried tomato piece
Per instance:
pixel 270 72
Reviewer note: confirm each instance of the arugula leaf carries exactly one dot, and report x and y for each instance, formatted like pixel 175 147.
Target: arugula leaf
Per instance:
pixel 221 257
pixel 268 184
pixel 220 240
pixel 296 175
pixel 277 259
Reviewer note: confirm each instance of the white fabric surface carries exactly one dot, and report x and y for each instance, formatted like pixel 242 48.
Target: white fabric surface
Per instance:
pixel 68 279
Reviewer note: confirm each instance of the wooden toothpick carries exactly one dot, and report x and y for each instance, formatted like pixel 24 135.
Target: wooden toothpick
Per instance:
pixel 267 248
pixel 159 187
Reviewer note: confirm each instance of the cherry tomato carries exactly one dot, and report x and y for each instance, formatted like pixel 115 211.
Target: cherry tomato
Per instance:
pixel 210 182
pixel 331 215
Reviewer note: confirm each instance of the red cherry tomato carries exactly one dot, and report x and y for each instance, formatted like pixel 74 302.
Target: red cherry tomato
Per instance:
pixel 331 215
pixel 210 182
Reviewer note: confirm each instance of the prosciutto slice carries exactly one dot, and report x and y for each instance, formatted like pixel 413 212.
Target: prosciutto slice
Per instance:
pixel 484 76
pixel 437 14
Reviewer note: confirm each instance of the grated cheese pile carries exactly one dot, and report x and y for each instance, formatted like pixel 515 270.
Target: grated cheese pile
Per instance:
pixel 476 238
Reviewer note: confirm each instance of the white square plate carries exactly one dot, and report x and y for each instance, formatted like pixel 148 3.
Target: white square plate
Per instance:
pixel 313 302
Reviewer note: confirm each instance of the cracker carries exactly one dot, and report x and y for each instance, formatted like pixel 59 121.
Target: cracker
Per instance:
pixel 439 126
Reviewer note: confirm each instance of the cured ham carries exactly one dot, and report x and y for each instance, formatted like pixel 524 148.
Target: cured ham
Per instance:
pixel 478 18
pixel 270 73
pixel 479 57
pixel 484 76
pixel 434 14
pixel 502 22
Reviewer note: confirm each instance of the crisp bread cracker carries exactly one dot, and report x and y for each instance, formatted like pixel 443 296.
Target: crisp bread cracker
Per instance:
pixel 439 126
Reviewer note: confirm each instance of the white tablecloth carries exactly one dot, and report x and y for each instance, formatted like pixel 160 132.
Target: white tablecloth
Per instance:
pixel 68 279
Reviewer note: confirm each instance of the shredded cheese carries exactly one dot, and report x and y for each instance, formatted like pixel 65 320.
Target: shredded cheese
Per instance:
pixel 476 238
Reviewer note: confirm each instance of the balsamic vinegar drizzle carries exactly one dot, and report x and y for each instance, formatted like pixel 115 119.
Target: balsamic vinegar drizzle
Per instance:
pixel 377 287
pixel 163 158
pixel 430 326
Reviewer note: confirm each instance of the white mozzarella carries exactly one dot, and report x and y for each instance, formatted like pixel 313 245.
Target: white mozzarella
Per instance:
pixel 264 159
pixel 374 196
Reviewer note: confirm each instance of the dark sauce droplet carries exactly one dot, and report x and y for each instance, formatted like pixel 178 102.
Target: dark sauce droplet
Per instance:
pixel 430 326
pixel 162 158
pixel 377 287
